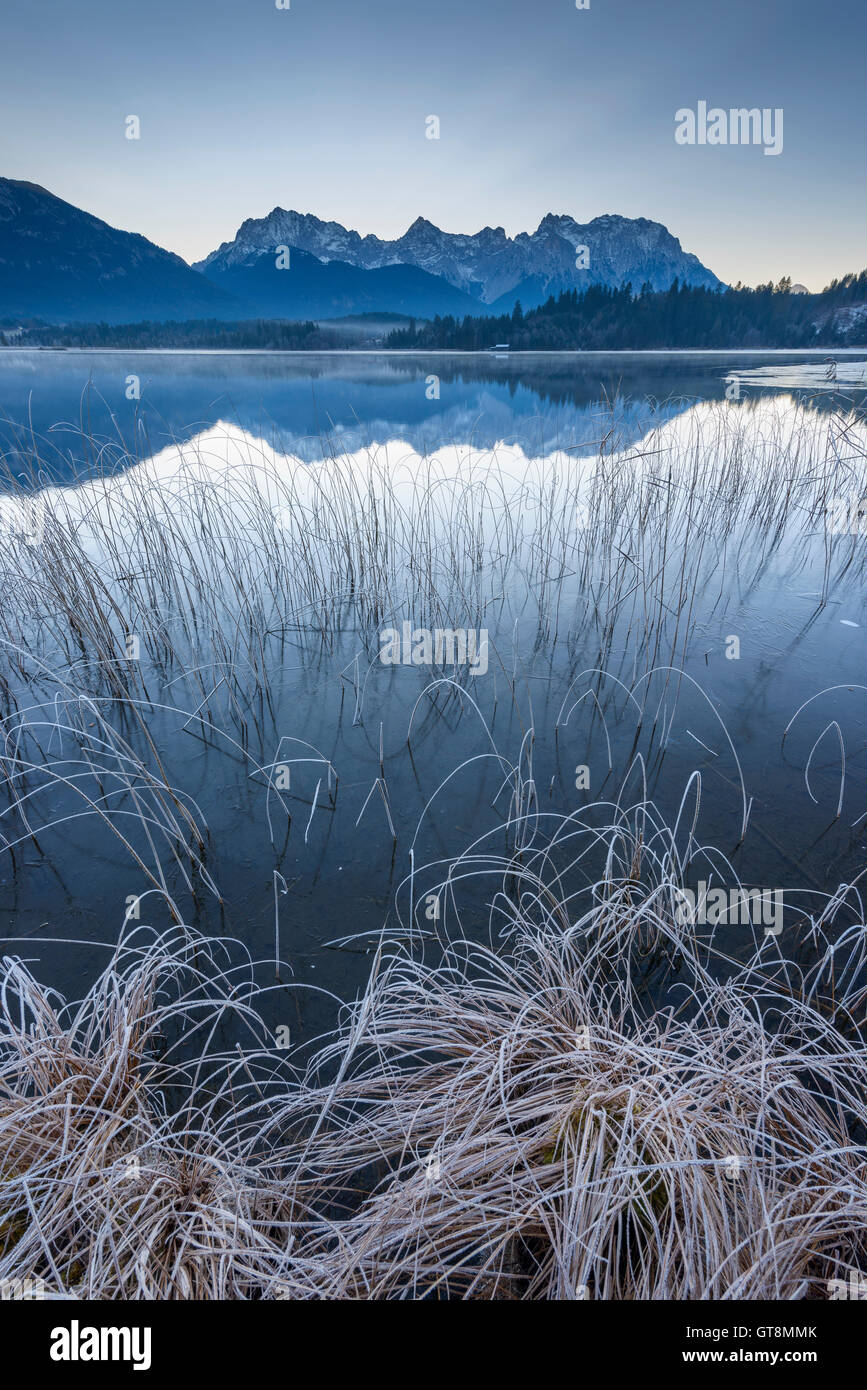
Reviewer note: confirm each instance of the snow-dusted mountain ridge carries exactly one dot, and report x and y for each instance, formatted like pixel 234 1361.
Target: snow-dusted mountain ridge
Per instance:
pixel 488 265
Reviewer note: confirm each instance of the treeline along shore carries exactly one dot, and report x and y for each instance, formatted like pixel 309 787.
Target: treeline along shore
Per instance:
pixel 596 319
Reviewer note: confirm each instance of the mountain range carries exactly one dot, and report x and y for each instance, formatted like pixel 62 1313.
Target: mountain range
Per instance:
pixel 491 268
pixel 64 265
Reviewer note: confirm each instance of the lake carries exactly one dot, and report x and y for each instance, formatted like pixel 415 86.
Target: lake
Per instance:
pixel 310 403
pixel 197 630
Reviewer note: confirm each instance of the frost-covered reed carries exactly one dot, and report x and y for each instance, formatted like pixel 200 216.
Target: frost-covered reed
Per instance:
pixel 574 1095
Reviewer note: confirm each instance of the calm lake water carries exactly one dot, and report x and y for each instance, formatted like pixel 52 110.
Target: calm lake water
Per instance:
pixel 310 403
pixel 341 877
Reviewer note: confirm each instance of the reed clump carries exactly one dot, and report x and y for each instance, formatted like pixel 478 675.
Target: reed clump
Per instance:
pixel 522 1136
pixel 541 1141
pixel 126 1170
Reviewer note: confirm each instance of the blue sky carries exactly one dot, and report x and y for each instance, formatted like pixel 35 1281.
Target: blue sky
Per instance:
pixel 542 107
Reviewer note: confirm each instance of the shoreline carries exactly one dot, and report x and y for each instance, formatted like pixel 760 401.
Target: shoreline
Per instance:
pixel 451 352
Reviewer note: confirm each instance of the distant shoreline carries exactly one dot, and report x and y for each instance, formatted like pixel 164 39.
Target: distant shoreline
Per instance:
pixel 475 354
